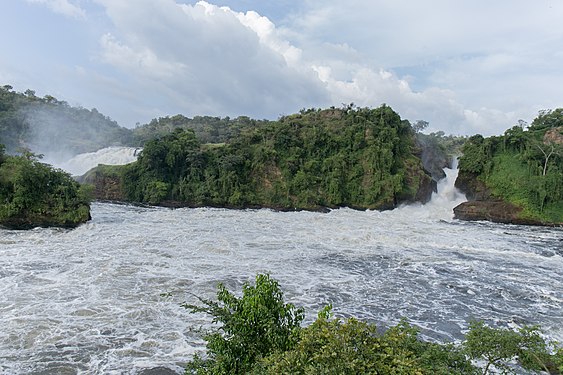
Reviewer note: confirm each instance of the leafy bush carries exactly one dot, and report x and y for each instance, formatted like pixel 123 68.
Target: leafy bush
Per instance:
pixel 260 334
pixel 35 194
pixel 253 326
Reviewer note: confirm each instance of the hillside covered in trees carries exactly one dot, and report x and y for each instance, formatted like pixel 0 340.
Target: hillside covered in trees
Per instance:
pixel 355 157
pixel 43 124
pixel 516 177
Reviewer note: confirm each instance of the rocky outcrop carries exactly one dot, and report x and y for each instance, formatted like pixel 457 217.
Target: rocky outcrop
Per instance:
pixel 482 205
pixel 107 184
pixel 496 212
pixel 473 188
pixel 434 159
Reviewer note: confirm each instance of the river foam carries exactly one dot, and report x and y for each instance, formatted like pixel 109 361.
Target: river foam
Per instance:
pixel 105 297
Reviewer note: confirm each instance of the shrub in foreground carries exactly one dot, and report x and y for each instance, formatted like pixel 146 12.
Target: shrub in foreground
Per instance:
pixel 260 334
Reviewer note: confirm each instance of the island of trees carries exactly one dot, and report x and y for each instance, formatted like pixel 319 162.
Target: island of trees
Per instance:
pixel 34 194
pixel 355 157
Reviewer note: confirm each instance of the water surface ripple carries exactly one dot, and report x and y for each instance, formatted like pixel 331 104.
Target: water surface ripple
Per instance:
pixel 104 298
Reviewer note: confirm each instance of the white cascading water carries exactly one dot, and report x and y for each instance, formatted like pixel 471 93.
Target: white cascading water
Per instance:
pixel 82 163
pixel 105 298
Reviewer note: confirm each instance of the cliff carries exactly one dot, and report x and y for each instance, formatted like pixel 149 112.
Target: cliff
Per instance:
pixel 515 178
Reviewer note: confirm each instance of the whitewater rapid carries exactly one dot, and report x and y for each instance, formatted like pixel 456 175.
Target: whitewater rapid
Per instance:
pixel 105 298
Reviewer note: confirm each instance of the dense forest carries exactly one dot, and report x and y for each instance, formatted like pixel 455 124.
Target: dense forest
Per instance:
pixel 355 157
pixel 523 167
pixel 42 124
pixel 35 194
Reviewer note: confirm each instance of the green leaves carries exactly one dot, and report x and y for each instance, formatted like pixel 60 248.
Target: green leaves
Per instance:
pixel 498 347
pixel 320 158
pixel 522 167
pixel 35 194
pixel 260 334
pixel 250 327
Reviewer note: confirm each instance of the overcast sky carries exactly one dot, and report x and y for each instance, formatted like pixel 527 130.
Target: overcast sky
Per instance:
pixel 467 66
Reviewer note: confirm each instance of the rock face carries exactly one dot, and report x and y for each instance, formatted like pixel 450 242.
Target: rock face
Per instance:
pixel 472 187
pixel 434 159
pixel 495 211
pixel 107 186
pixel 483 206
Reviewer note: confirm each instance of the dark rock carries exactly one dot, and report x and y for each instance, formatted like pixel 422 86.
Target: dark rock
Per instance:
pixel 473 188
pixel 494 211
pixel 434 159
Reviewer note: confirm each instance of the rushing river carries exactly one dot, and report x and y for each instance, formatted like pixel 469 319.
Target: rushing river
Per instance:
pixel 105 298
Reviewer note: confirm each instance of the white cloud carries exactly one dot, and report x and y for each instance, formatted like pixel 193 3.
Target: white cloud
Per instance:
pixel 477 66
pixel 63 7
pixel 207 59
pixel 464 67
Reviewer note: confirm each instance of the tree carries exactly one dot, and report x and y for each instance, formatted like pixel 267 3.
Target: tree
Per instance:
pixel 419 126
pixel 547 119
pixel 252 326
pixel 260 334
pixel 35 194
pixel 547 150
pixel 497 347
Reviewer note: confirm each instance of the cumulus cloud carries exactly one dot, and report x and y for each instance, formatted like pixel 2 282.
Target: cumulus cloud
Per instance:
pixel 209 59
pixel 64 7
pixel 464 67
pixel 476 66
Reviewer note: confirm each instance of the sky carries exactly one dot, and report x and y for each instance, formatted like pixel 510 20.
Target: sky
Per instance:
pixel 464 66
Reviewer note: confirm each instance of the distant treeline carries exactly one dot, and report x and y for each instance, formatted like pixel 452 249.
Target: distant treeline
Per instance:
pixel 39 124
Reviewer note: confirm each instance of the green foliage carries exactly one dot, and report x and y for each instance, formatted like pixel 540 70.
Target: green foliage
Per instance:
pixel 355 157
pixel 253 326
pixel 523 167
pixel 30 121
pixel 260 334
pixel 207 129
pixel 332 346
pixel 548 119
pixel 35 194
pixel 497 347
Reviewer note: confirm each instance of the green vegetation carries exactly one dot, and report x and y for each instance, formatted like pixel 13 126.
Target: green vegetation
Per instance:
pixel 523 167
pixel 252 327
pixel 40 124
pixel 34 194
pixel 356 157
pixel 206 128
pixel 260 334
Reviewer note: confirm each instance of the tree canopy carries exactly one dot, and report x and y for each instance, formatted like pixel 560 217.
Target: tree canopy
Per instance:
pixel 523 166
pixel 356 157
pixel 35 194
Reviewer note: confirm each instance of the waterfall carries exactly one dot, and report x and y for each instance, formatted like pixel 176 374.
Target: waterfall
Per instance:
pixel 440 206
pixel 447 193
pixel 82 163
